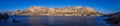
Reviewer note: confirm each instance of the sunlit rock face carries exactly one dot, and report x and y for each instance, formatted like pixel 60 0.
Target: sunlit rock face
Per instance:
pixel 90 9
pixel 77 10
pixel 36 9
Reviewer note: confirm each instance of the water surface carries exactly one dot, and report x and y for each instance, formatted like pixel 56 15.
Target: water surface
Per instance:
pixel 54 21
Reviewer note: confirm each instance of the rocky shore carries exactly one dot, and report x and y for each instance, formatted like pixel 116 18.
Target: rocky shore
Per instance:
pixel 3 16
pixel 114 18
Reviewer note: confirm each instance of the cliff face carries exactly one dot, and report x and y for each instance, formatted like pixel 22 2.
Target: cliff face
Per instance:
pixel 78 10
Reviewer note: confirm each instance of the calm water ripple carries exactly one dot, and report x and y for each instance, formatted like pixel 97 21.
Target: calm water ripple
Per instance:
pixel 54 21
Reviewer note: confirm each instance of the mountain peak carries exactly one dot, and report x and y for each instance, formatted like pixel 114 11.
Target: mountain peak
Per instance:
pixel 36 7
pixel 78 6
pixel 89 8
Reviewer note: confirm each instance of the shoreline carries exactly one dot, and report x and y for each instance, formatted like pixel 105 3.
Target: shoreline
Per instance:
pixel 50 15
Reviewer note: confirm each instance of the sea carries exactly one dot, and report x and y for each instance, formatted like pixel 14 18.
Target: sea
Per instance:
pixel 54 21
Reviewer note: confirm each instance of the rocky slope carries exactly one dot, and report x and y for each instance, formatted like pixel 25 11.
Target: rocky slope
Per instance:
pixel 66 11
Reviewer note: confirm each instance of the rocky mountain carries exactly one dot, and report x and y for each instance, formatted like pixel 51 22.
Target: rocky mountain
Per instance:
pixel 66 11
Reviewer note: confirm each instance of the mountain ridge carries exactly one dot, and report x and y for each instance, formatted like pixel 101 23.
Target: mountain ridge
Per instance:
pixel 65 11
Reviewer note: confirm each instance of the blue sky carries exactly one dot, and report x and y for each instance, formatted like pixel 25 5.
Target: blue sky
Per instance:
pixel 103 6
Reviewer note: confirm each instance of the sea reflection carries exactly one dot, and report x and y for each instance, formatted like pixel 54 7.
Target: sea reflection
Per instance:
pixel 65 21
pixel 4 20
pixel 54 21
pixel 35 21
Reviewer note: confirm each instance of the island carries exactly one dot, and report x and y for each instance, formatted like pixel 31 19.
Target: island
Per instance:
pixel 64 11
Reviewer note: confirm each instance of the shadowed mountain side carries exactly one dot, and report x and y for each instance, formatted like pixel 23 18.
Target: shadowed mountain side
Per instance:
pixel 114 18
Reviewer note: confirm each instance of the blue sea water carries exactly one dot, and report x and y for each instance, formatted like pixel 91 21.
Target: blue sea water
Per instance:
pixel 54 21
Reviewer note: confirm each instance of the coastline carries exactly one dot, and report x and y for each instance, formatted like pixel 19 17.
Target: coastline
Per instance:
pixel 55 15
